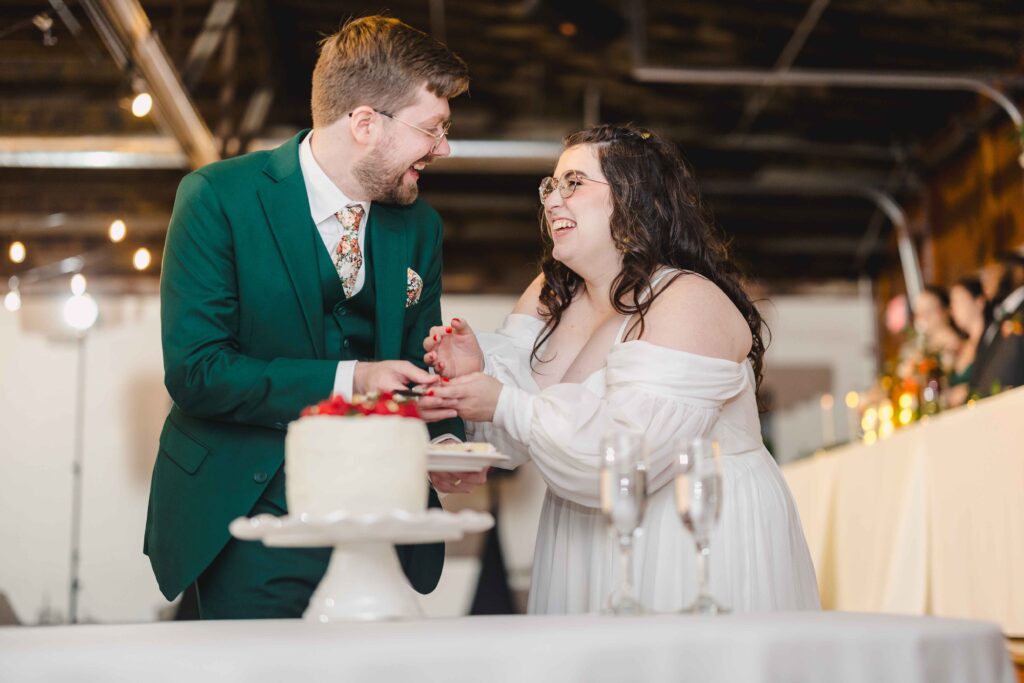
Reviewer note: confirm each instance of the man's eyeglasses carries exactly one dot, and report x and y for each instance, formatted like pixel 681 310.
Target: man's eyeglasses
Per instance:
pixel 438 137
pixel 566 185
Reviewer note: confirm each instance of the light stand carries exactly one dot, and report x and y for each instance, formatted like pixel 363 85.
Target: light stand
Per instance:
pixel 80 312
pixel 76 478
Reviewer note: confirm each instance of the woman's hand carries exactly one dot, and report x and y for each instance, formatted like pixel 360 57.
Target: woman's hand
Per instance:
pixel 431 407
pixel 474 396
pixel 453 351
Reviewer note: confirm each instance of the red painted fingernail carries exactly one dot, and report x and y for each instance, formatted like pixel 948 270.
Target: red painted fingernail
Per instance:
pixel 444 379
pixel 448 330
pixel 435 337
pixel 456 320
pixel 430 393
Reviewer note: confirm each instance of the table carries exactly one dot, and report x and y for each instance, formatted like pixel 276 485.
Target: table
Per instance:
pixel 754 648
pixel 928 521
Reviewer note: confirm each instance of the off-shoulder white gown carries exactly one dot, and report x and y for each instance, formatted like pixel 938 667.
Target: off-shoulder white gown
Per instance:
pixel 759 557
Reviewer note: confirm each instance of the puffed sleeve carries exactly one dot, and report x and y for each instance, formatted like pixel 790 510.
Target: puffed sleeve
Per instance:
pixel 507 359
pixel 664 393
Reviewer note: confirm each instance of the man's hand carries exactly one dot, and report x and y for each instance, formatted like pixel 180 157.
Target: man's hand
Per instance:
pixel 458 482
pixel 388 375
pixel 453 351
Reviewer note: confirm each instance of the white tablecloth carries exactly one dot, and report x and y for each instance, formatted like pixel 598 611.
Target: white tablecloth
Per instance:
pixel 750 648
pixel 929 521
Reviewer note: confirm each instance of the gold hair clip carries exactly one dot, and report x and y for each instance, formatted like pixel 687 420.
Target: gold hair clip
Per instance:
pixel 645 134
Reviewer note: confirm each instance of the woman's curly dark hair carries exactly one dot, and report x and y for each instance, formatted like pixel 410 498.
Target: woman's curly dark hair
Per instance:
pixel 657 220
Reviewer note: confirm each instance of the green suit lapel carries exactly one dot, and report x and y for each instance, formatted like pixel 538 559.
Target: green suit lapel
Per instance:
pixel 286 206
pixel 385 231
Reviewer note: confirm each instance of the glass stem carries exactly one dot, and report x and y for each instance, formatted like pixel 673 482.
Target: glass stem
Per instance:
pixel 703 555
pixel 626 564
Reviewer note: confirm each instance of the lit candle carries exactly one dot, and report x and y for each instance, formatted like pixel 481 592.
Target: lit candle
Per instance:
pixel 852 415
pixel 828 422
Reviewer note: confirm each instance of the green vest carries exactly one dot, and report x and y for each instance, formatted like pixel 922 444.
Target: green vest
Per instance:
pixel 348 323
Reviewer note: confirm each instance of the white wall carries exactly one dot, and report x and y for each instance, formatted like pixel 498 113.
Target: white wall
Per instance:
pixel 835 331
pixel 125 403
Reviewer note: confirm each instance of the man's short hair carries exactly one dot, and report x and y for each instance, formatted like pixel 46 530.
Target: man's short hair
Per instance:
pixel 381 62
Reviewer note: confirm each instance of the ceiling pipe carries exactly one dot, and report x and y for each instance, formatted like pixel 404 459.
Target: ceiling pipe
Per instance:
pixel 812 187
pixel 125 28
pixel 819 78
pixel 141 152
pixel 161 152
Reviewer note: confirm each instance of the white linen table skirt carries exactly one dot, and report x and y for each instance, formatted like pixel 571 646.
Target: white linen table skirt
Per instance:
pixel 754 648
pixel 929 521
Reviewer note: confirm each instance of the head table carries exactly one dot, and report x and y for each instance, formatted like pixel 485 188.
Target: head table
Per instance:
pixel 753 648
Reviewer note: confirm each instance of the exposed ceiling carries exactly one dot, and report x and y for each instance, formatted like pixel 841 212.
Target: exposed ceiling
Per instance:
pixel 541 69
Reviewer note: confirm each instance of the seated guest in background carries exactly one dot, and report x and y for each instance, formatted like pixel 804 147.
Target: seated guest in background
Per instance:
pixel 990 275
pixel 999 362
pixel 932 323
pixel 970 311
pixel 639 316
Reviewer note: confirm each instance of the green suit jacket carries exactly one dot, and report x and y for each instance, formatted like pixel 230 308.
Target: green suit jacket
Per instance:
pixel 242 324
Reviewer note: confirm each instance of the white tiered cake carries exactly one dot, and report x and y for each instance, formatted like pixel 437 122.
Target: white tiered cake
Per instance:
pixel 368 456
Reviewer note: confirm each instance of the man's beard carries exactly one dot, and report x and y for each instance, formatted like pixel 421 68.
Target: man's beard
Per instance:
pixel 382 182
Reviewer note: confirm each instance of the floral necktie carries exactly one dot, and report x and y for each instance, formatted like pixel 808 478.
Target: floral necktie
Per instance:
pixel 348 257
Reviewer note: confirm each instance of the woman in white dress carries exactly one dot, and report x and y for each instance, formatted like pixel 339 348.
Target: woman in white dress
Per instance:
pixel 638 315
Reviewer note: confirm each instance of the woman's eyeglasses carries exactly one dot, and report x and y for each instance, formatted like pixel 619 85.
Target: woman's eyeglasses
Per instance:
pixel 566 185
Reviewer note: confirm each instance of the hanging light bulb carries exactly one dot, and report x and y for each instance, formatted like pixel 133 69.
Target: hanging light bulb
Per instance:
pixel 17 252
pixel 117 230
pixel 78 284
pixel 12 302
pixel 142 104
pixel 142 258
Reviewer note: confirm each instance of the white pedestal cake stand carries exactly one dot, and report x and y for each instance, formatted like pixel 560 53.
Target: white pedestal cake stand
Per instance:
pixel 364 580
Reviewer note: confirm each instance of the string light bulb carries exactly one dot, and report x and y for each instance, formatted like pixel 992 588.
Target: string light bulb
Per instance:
pixel 12 301
pixel 142 104
pixel 142 258
pixel 78 284
pixel 117 231
pixel 17 252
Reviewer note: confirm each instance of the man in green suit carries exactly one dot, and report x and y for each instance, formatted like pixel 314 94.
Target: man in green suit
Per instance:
pixel 288 275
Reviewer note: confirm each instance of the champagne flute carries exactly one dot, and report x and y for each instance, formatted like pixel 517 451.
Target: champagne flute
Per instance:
pixel 698 485
pixel 623 500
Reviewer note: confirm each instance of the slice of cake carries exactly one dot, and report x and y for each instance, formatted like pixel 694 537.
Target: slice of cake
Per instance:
pixel 363 456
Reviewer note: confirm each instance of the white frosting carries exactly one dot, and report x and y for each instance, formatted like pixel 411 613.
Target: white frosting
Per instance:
pixel 373 463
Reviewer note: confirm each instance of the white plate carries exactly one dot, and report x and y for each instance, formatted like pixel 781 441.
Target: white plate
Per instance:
pixel 447 461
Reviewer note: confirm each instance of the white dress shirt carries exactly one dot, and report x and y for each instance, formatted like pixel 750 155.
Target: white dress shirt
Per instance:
pixel 325 200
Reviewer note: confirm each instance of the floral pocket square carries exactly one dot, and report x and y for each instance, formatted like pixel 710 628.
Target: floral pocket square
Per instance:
pixel 413 287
